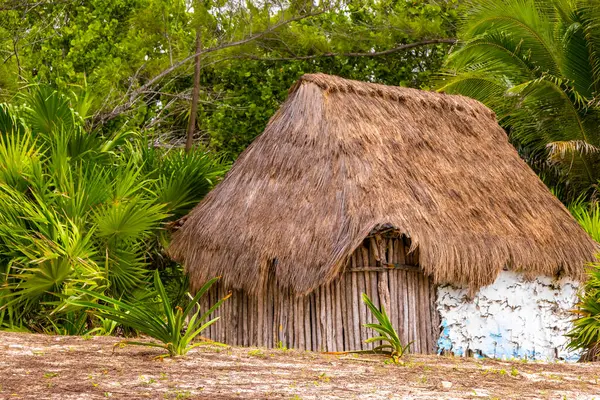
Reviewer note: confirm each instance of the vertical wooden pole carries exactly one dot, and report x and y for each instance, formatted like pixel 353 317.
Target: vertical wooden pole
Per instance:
pixel 204 307
pixel 414 309
pixel 341 287
pixel 313 325
pixel 393 286
pixel 405 306
pixel 323 313
pixel 374 252
pixel 276 311
pixel 231 326
pixel 330 313
pixel 301 324
pixel 321 340
pixel 195 92
pixel 421 313
pixel 255 323
pixel 260 305
pixel 373 278
pixel 398 248
pixel 290 318
pixel 281 321
pixel 354 324
pixel 383 290
pixel 368 290
pixel 224 317
pixel 294 318
pixel 362 288
pixel 212 294
pixel 220 312
pixel 224 313
pixel 339 329
pixel 242 332
pixel 245 334
pixel 233 320
pixel 426 314
pixel 252 309
pixel 270 303
pixel 213 298
pixel 435 316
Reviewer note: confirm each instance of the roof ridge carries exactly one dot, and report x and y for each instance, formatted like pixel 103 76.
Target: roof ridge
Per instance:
pixel 436 100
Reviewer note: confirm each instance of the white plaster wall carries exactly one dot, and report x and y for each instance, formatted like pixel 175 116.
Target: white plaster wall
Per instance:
pixel 512 318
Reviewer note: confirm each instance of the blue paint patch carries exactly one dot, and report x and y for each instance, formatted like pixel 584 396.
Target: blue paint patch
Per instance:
pixel 499 346
pixel 444 343
pixel 515 353
pixel 573 357
pixel 459 352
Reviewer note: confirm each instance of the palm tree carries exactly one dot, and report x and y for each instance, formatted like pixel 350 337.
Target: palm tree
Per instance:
pixel 536 63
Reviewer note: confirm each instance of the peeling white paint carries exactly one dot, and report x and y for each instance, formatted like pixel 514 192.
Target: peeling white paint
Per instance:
pixel 511 318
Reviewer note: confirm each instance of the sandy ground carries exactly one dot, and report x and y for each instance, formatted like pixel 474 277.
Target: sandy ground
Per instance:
pixel 62 367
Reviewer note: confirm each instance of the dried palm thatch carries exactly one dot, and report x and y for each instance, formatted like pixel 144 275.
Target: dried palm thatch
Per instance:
pixel 341 158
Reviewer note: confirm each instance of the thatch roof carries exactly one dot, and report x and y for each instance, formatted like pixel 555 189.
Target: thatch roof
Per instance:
pixel 342 157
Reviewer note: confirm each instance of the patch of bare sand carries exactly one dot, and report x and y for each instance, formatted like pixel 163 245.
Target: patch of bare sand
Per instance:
pixel 61 367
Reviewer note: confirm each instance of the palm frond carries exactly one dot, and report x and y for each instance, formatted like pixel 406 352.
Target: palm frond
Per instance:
pixel 47 110
pixel 10 121
pixel 19 158
pixel 529 20
pixel 535 63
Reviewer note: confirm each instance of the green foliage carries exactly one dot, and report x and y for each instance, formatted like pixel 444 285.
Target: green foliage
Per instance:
pixel 169 331
pixel 588 216
pixel 83 209
pixel 535 62
pixel 585 334
pixel 392 345
pixel 114 48
pixel 242 94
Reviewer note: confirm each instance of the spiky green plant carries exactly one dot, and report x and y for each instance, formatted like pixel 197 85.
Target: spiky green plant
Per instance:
pixel 585 334
pixel 391 343
pixel 170 330
pixel 536 63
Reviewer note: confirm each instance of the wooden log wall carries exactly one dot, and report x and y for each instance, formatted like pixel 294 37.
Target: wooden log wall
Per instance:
pixel 332 317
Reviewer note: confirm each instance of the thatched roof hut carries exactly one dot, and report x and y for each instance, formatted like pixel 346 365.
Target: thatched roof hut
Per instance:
pixel 362 188
pixel 343 158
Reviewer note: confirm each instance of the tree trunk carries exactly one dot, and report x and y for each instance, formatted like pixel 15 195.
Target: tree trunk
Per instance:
pixel 195 94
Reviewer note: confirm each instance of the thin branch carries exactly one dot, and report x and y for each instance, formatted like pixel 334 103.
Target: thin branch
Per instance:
pixel 369 54
pixel 135 93
pixel 195 93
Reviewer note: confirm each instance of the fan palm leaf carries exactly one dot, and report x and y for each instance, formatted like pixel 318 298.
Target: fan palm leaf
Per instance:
pixel 81 209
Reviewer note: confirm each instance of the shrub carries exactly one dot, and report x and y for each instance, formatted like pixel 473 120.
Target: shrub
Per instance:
pixel 84 209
